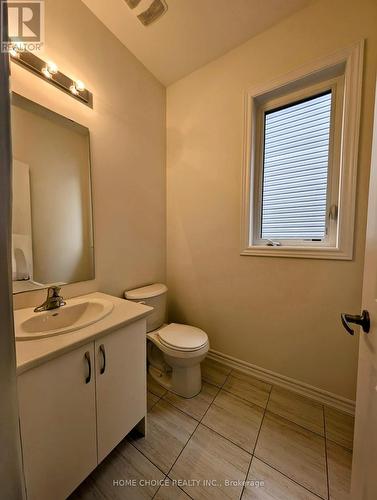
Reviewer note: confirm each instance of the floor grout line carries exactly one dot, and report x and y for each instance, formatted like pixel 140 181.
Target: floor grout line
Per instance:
pixel 246 374
pixel 243 399
pixel 250 403
pixel 185 492
pixel 179 409
pixel 145 456
pixel 350 450
pixel 167 477
pixel 199 422
pixel 226 438
pixel 288 477
pixel 187 415
pixel 203 381
pixel 158 489
pixel 255 444
pixel 270 411
pixel 185 411
pixel 295 423
pixel 207 427
pixel 260 427
pixel 158 400
pixel 269 465
pixel 154 394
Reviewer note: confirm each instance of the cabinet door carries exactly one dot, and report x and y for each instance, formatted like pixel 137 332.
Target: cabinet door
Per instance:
pixel 121 384
pixel 58 424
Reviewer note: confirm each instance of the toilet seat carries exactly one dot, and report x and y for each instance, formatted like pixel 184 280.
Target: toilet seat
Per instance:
pixel 182 337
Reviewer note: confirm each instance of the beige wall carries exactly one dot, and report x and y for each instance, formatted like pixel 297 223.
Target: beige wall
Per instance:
pixel 127 127
pixel 279 314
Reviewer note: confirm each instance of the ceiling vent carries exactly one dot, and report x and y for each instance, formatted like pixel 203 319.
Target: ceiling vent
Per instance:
pixel 147 11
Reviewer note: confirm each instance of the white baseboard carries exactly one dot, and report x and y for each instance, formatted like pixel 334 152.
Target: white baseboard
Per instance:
pixel 324 397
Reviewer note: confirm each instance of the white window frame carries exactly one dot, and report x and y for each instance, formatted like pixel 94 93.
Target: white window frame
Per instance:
pixel 336 86
pixel 342 74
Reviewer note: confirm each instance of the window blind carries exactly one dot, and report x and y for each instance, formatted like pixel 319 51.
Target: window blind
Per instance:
pixel 295 170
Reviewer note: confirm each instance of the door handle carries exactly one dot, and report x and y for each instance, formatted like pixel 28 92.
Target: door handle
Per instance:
pixel 363 320
pixel 87 357
pixel 103 352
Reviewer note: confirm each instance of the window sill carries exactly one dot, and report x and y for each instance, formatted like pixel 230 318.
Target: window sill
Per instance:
pixel 298 252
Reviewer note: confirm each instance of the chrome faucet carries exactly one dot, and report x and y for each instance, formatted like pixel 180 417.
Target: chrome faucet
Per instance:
pixel 53 300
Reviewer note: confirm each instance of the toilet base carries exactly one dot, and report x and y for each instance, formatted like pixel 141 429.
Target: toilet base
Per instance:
pixel 162 378
pixel 175 370
pixel 185 382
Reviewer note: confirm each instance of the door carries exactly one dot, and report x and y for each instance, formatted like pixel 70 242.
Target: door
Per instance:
pixel 364 476
pixel 58 424
pixel 121 384
pixel 11 484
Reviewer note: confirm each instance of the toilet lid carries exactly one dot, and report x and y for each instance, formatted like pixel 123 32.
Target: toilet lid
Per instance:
pixel 182 337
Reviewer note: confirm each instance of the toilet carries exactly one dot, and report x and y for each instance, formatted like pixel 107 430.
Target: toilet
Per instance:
pixel 175 351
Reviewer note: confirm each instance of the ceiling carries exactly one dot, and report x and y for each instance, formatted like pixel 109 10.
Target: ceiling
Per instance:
pixel 192 32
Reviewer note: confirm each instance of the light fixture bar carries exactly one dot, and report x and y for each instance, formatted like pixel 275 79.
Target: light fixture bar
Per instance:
pixel 49 72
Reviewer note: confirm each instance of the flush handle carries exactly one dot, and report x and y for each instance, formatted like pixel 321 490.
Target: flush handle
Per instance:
pixel 362 320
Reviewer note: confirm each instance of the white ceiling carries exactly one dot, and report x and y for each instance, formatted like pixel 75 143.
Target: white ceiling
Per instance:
pixel 192 32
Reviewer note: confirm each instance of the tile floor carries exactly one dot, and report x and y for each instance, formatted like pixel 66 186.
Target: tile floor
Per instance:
pixel 239 438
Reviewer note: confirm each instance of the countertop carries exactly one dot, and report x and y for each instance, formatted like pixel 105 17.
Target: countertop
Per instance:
pixel 31 353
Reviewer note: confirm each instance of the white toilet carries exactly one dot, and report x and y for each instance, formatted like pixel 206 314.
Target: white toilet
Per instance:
pixel 175 351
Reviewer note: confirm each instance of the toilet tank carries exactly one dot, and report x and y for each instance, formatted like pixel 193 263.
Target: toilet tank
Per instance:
pixel 152 295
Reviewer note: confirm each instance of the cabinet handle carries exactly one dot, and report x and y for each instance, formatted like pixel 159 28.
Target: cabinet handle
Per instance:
pixel 102 351
pixel 87 357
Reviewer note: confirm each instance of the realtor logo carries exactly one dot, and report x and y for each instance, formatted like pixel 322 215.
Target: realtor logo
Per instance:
pixel 25 24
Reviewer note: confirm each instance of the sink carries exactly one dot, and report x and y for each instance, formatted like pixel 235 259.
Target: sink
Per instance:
pixel 76 314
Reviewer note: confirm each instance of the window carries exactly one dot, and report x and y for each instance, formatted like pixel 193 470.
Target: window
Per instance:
pixel 300 163
pixel 295 170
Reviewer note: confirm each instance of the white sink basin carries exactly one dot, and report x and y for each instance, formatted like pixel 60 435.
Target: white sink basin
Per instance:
pixel 76 314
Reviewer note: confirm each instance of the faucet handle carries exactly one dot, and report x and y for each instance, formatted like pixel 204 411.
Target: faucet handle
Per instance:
pixel 53 300
pixel 53 291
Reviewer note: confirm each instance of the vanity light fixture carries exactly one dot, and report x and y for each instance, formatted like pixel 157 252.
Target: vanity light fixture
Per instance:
pixel 49 71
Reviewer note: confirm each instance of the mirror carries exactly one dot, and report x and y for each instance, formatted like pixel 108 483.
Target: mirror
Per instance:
pixel 52 230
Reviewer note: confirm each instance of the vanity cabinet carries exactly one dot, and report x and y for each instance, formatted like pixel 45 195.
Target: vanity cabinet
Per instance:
pixel 119 384
pixel 58 424
pixel 75 408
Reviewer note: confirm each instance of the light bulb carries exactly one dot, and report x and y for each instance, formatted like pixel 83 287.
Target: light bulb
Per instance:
pixel 77 87
pixel 46 72
pixel 80 86
pixel 14 52
pixel 74 90
pixel 52 68
pixel 16 48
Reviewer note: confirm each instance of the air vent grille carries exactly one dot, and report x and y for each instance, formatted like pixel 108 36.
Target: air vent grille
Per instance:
pixel 147 11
